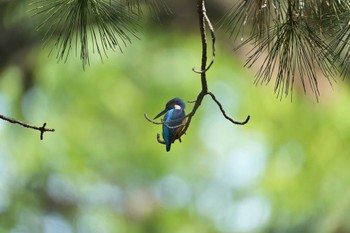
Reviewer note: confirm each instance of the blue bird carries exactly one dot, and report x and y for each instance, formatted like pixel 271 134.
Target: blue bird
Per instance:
pixel 174 116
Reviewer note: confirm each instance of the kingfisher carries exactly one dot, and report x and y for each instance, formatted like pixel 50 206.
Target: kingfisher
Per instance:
pixel 174 120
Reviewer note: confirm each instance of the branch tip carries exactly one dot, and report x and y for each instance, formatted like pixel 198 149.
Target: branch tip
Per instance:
pixel 152 121
pixel 224 113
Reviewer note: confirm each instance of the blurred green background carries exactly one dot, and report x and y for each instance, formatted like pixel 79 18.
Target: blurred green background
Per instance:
pixel 102 170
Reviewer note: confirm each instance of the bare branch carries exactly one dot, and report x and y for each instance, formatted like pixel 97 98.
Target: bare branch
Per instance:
pixel 197 103
pixel 42 129
pixel 203 20
pixel 201 12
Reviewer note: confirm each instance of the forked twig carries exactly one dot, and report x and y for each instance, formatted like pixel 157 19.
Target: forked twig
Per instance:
pixel 42 129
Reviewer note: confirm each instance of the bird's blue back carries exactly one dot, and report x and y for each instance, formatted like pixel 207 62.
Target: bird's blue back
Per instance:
pixel 176 116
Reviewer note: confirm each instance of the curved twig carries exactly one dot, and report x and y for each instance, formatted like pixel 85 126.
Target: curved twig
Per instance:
pixel 224 113
pixel 152 121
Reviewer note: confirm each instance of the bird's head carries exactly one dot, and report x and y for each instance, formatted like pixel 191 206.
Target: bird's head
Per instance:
pixel 175 103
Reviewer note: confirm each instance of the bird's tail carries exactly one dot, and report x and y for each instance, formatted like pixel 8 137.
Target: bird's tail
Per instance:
pixel 166 137
pixel 167 145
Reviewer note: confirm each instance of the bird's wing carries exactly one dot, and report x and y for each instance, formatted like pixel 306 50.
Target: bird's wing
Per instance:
pixel 169 115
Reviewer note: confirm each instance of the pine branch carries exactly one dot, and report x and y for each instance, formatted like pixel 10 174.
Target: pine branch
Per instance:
pixel 295 51
pixel 86 24
pixel 292 37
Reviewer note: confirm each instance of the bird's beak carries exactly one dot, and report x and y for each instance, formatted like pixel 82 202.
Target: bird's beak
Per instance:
pixel 161 113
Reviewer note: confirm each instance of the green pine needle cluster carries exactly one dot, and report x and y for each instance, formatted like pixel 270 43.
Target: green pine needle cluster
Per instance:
pixel 296 39
pixel 85 25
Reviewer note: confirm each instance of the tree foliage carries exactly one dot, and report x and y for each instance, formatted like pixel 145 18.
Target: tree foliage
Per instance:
pixel 295 40
pixel 91 24
pixel 104 24
pixel 286 171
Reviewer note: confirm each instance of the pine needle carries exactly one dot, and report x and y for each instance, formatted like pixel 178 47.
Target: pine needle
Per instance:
pixel 292 37
pixel 106 24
